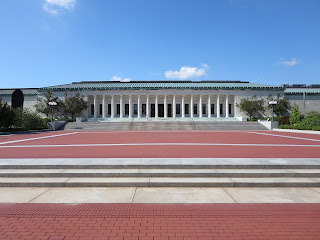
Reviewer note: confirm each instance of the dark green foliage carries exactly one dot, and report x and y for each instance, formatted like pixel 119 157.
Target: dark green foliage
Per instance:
pixel 283 120
pixel 295 115
pixel 42 105
pixel 310 122
pixel 74 105
pixel 282 106
pixel 286 126
pixel 6 116
pixel 19 119
pixel 251 106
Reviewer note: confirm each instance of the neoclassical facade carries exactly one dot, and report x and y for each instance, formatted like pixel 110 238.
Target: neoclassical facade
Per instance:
pixel 168 99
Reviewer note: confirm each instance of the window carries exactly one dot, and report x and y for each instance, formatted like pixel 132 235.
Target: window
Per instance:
pixel 186 108
pixel 92 109
pixel 100 109
pixel 178 108
pixel 212 109
pixel 221 108
pixel 204 109
pixel 135 109
pixel 195 109
pixel 230 108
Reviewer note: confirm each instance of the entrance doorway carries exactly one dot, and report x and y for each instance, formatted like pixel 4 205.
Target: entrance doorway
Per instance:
pixel 153 108
pixel 161 110
pixel 169 110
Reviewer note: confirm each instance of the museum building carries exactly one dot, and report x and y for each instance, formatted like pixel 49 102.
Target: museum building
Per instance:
pixel 110 100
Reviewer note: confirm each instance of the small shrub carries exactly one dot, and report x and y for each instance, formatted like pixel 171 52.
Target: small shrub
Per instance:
pixel 316 128
pixel 308 123
pixel 286 126
pixel 295 116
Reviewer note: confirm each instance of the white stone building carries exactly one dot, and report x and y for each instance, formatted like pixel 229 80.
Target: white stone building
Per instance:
pixel 172 100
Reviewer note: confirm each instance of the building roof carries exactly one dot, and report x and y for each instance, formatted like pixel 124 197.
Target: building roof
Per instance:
pixel 302 90
pixel 26 91
pixel 154 85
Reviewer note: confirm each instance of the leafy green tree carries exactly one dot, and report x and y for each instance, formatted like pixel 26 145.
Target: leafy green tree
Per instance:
pixel 74 105
pixel 6 116
pixel 282 106
pixel 42 105
pixel 251 106
pixel 295 115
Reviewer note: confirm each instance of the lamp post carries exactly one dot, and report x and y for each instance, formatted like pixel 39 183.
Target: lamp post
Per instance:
pixel 52 104
pixel 272 103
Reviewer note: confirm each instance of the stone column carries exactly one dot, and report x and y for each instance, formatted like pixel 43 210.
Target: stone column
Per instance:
pixel 121 106
pixel 112 106
pixel 156 106
pixel 95 104
pixel 200 105
pixel 182 106
pixel 191 106
pixel 139 106
pixel 130 106
pixel 174 106
pixel 147 106
pixel 165 106
pixel 209 106
pixel 103 106
pixel 218 106
pixel 227 106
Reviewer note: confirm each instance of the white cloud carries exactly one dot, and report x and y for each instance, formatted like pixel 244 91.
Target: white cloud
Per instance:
pixel 54 6
pixel 289 63
pixel 206 66
pixel 187 72
pixel 119 79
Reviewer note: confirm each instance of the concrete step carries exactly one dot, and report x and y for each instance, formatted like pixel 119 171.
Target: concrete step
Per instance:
pixel 151 173
pixel 160 166
pixel 166 124
pixel 159 182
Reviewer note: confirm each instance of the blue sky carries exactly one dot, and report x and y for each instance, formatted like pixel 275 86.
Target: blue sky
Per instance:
pixel 50 42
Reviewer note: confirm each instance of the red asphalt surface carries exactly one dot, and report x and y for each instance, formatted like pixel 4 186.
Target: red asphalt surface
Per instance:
pixel 160 221
pixel 38 148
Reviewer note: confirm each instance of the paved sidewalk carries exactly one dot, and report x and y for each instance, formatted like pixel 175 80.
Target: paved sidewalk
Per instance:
pixel 159 195
pixel 158 221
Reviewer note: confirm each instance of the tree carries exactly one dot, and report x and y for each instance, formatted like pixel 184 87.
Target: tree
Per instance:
pixel 42 105
pixel 295 115
pixel 282 106
pixel 74 105
pixel 6 116
pixel 251 106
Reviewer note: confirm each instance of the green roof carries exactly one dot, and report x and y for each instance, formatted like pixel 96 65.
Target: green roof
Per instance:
pixel 302 90
pixel 26 92
pixel 154 85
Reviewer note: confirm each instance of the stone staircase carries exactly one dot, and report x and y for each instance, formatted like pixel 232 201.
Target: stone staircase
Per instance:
pixel 162 173
pixel 164 125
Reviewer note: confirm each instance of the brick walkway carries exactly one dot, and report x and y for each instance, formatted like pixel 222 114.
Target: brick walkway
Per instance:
pixel 160 221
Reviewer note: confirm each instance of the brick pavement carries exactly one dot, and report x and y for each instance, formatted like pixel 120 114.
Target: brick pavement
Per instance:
pixel 160 221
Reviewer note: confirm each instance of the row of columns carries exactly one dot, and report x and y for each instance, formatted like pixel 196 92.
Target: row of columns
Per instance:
pixel 95 102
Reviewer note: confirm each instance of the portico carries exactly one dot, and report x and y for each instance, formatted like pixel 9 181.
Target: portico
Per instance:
pixel 160 105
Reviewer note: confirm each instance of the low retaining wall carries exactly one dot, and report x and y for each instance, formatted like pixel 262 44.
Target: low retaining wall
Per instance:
pixel 269 124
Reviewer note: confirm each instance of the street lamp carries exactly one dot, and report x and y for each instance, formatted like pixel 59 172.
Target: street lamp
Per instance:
pixel 272 103
pixel 52 104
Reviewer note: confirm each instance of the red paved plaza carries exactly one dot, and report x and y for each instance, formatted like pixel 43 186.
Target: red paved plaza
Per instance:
pixel 160 221
pixel 161 144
